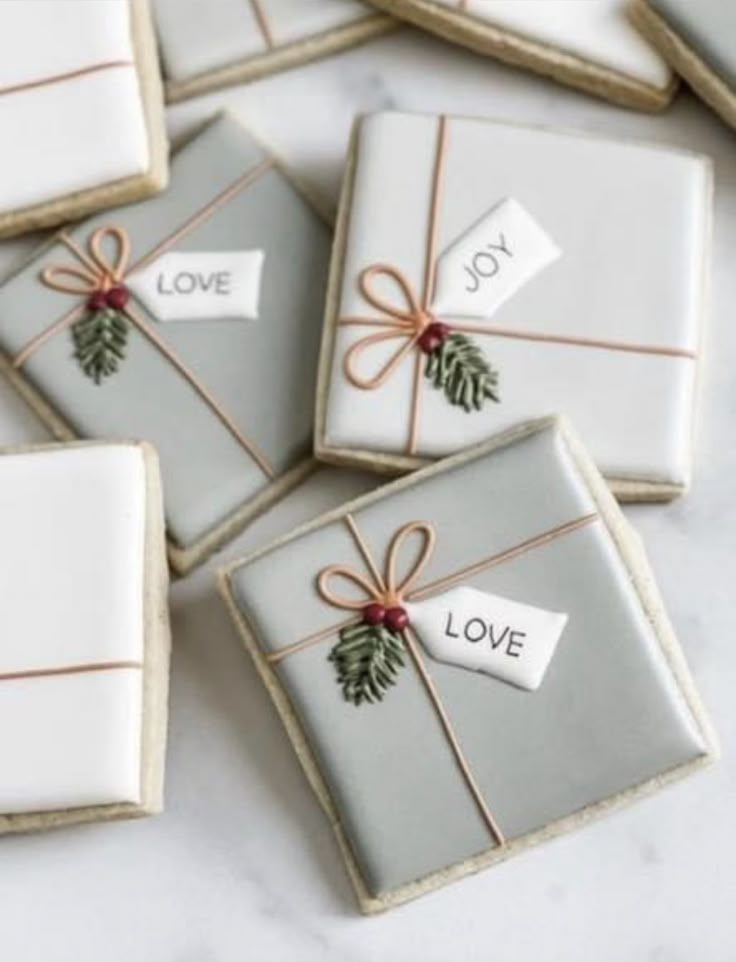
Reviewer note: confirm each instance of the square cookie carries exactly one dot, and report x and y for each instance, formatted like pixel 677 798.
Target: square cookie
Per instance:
pixel 191 320
pixel 445 672
pixel 241 40
pixel 81 93
pixel 698 41
pixel 84 635
pixel 588 44
pixel 485 274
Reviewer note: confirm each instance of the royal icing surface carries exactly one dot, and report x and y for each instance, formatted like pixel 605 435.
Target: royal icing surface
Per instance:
pixel 632 222
pixel 519 522
pixel 58 116
pixel 235 30
pixel 596 30
pixel 72 576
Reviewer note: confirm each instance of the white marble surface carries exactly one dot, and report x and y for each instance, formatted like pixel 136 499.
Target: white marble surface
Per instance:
pixel 242 864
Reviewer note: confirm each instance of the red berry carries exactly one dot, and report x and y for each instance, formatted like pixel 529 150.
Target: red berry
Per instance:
pixel 117 298
pixel 97 301
pixel 374 614
pixel 396 619
pixel 432 336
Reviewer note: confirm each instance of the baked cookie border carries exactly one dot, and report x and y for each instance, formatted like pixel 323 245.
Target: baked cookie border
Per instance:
pixel 136 187
pixel 685 61
pixel 156 654
pixel 281 58
pixel 632 553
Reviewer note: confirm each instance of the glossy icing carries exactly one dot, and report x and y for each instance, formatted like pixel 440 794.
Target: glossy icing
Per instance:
pixel 595 30
pixel 192 44
pixel 608 716
pixel 73 521
pixel 207 474
pixel 632 222
pixel 48 37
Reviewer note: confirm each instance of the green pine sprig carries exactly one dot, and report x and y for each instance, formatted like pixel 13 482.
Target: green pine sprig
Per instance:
pixel 100 338
pixel 367 659
pixel 459 368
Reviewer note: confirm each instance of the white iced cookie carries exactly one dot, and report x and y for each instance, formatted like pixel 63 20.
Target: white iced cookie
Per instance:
pixel 79 88
pixel 486 274
pixel 84 638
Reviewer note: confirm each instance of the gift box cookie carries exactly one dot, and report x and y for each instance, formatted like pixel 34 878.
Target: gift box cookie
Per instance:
pixel 80 90
pixel 461 682
pixel 697 40
pixel 240 40
pixel 589 45
pixel 84 635
pixel 485 274
pixel 191 320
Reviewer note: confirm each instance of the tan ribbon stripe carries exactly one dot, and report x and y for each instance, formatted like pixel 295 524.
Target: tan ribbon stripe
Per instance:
pixel 389 590
pixel 274 657
pixel 263 24
pixel 452 738
pixel 508 554
pixel 592 342
pixel 99 273
pixel 201 390
pixel 67 75
pixel 408 320
pixel 70 670
pixel 204 213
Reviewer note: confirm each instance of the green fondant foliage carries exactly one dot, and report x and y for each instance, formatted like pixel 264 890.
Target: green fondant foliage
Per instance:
pixel 367 659
pixel 99 342
pixel 459 368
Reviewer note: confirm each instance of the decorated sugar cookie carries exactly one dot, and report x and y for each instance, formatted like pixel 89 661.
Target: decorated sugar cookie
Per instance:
pixel 588 44
pixel 472 659
pixel 84 635
pixel 159 319
pixel 484 274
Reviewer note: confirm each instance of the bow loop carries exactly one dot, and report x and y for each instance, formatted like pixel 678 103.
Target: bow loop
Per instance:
pixel 95 271
pixel 406 320
pixel 399 589
pixel 412 315
pixel 70 280
pixel 113 268
pixel 372 592
pixel 393 590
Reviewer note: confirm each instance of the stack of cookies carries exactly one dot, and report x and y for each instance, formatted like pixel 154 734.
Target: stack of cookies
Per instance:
pixel 504 321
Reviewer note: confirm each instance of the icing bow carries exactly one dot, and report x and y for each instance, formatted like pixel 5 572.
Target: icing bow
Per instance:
pixel 97 273
pixel 454 363
pixel 411 321
pixel 383 593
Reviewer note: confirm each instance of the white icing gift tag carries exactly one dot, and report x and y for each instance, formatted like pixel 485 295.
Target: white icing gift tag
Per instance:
pixel 490 262
pixel 200 285
pixel 483 632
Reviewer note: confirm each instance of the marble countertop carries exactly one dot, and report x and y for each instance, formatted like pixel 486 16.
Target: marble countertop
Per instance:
pixel 242 864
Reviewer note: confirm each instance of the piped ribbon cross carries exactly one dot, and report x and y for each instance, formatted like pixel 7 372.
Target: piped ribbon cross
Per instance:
pixel 414 323
pixel 97 274
pixel 370 653
pixel 454 363
pixel 99 325
pixel 384 594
